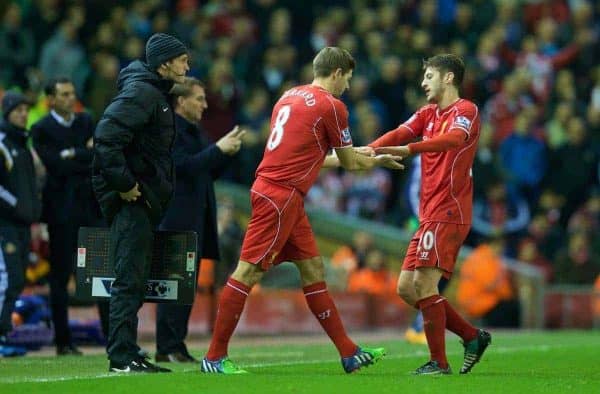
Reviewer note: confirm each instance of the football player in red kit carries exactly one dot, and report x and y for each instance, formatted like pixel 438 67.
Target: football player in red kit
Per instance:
pixel 306 123
pixel 449 128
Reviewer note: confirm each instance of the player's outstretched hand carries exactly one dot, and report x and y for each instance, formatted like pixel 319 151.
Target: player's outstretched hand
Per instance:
pixel 231 142
pixel 401 151
pixel 364 150
pixel 389 161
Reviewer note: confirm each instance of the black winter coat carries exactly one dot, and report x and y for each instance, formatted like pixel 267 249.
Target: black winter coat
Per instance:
pixel 68 192
pixel 193 207
pixel 20 202
pixel 133 142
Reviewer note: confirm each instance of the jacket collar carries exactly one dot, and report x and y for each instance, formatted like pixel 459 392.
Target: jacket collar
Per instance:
pixel 15 133
pixel 182 125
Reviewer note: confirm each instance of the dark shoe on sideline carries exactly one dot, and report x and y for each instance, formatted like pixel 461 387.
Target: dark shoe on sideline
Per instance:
pixel 177 357
pixel 139 365
pixel 8 350
pixel 68 350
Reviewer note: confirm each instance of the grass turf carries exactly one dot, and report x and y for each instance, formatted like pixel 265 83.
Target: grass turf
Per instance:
pixel 516 362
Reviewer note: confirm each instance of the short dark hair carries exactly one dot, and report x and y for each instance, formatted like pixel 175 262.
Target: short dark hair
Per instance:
pixel 447 62
pixel 50 88
pixel 330 59
pixel 185 89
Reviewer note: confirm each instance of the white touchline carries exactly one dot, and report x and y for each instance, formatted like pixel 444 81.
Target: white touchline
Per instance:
pixel 420 353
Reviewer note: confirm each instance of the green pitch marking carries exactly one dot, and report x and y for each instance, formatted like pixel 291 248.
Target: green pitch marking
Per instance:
pixel 516 362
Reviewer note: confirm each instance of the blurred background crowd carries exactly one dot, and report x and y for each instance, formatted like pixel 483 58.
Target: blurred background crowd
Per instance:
pixel 532 68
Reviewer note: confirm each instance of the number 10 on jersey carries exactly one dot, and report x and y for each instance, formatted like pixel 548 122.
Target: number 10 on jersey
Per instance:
pixel 277 132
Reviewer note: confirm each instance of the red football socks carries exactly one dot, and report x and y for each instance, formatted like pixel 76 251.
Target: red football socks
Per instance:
pixel 322 306
pixel 434 321
pixel 458 325
pixel 231 304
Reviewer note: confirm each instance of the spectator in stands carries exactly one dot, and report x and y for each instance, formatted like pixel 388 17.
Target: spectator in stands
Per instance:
pixel 587 218
pixel 484 287
pixel 573 167
pixel 104 87
pixel 564 89
pixel 198 163
pixel 375 278
pixel 63 55
pixel 499 214
pixel 541 57
pixel 63 140
pixel 328 192
pixel 20 206
pixel 488 66
pixel 389 88
pixel 17 46
pixel 503 107
pixel 486 169
pixel 578 263
pixel 556 127
pixel 528 253
pixel 43 17
pixel 366 194
pixel 254 118
pixel 547 236
pixel 523 159
pixel 353 257
pixel 222 92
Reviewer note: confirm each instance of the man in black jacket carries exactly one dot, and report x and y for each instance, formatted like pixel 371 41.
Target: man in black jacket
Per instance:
pixel 133 179
pixel 20 206
pixel 193 208
pixel 63 139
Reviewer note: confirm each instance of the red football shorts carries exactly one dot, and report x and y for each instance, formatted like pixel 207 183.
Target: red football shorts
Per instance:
pixel 278 229
pixel 435 244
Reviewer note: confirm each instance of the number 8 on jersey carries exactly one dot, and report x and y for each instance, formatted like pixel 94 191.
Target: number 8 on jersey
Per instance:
pixel 277 133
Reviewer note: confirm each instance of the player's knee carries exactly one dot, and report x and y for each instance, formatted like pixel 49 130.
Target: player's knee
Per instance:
pixel 311 271
pixel 420 286
pixel 405 291
pixel 248 274
pixel 423 288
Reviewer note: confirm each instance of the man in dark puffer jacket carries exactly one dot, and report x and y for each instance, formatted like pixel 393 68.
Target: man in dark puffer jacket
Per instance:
pixel 133 179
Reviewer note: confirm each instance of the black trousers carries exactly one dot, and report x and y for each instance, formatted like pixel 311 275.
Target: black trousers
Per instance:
pixel 63 245
pixel 15 242
pixel 172 321
pixel 131 236
pixel 172 328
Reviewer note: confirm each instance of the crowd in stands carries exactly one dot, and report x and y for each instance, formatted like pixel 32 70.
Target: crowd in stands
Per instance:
pixel 532 69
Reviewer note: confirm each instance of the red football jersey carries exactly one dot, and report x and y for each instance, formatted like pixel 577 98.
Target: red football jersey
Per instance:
pixel 446 177
pixel 306 122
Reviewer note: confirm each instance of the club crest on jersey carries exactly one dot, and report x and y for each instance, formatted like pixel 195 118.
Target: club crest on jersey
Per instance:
pixel 346 137
pixel 462 121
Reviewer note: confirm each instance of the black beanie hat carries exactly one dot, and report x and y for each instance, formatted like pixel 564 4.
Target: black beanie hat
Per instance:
pixel 10 101
pixel 161 48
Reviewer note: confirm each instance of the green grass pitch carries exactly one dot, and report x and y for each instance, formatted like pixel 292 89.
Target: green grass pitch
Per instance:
pixel 516 362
